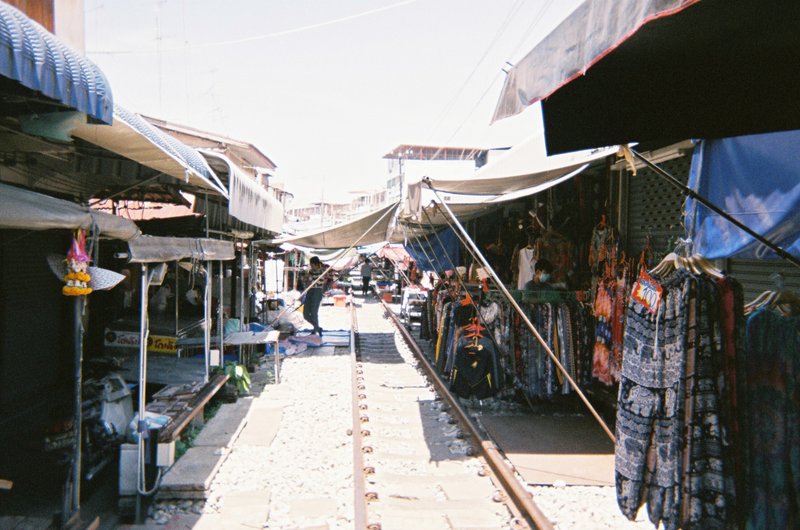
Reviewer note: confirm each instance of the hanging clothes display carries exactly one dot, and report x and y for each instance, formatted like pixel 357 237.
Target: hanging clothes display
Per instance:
pixel 520 361
pixel 768 403
pixel 604 366
pixel 526 261
pixel 474 372
pixel 670 442
pixel 611 272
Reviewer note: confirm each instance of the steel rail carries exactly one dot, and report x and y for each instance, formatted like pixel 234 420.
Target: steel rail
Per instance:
pixel 517 494
pixel 359 486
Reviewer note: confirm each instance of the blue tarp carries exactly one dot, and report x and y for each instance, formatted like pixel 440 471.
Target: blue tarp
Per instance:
pixel 444 251
pixel 754 178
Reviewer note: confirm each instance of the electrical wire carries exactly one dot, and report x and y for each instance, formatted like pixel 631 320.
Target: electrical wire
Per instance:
pixel 258 37
pixel 537 18
pixel 499 33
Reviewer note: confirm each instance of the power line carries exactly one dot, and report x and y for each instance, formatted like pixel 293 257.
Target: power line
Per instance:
pixel 537 18
pixel 259 37
pixel 502 29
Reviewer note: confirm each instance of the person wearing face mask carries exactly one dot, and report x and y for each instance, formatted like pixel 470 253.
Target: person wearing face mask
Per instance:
pixel 542 272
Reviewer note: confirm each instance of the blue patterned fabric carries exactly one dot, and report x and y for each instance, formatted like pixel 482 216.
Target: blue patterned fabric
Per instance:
pixel 670 451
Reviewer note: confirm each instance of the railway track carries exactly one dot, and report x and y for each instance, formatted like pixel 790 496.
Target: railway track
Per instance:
pixel 419 461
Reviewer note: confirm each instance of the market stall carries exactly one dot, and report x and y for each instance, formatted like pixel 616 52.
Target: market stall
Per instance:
pixel 697 442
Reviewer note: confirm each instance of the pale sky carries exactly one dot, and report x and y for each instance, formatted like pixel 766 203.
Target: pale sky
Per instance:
pixel 324 88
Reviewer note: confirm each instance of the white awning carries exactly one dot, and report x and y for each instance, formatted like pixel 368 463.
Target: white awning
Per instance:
pixel 133 137
pixel 364 230
pixel 524 166
pixel 152 249
pixel 248 201
pixel 28 210
pixel 340 259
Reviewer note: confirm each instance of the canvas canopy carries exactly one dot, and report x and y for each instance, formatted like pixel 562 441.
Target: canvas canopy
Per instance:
pixel 440 251
pixel 28 210
pixel 364 230
pixel 393 252
pixel 618 71
pixel 524 166
pixel 248 201
pixel 152 249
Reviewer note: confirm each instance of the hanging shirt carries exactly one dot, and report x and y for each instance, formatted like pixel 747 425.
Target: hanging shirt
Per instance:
pixel 273 276
pixel 473 373
pixel 526 264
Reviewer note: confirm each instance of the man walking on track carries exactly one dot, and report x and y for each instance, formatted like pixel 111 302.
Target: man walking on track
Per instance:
pixel 314 295
pixel 366 277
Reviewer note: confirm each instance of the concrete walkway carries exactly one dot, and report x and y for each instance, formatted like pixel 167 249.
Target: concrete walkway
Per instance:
pixel 251 422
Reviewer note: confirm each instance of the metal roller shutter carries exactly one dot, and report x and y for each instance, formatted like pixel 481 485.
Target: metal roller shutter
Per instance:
pixel 657 206
pixel 32 312
pixel 756 275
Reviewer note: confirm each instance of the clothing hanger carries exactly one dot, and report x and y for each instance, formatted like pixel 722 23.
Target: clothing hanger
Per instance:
pixel 474 329
pixel 785 301
pixel 781 298
pixel 665 266
pixel 758 302
pixel 535 218
pixel 704 266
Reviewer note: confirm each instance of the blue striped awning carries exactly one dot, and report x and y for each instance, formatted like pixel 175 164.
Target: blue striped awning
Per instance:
pixel 135 138
pixel 193 160
pixel 36 59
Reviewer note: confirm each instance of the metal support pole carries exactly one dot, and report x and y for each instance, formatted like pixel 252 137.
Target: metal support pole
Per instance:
pixel 295 275
pixel 207 322
pixel 240 347
pixel 177 299
pixel 285 273
pixel 220 312
pixel 78 306
pixel 686 190
pixel 519 310
pixel 242 262
pixel 141 427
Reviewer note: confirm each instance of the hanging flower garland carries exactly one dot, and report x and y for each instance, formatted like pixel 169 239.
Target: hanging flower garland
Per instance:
pixel 77 278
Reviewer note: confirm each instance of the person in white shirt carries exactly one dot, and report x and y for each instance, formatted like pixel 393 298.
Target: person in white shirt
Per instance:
pixel 159 300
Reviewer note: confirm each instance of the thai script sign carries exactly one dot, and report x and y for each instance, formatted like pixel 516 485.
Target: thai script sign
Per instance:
pixel 130 339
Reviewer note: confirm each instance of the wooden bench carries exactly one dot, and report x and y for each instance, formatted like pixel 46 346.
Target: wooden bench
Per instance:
pixel 173 430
